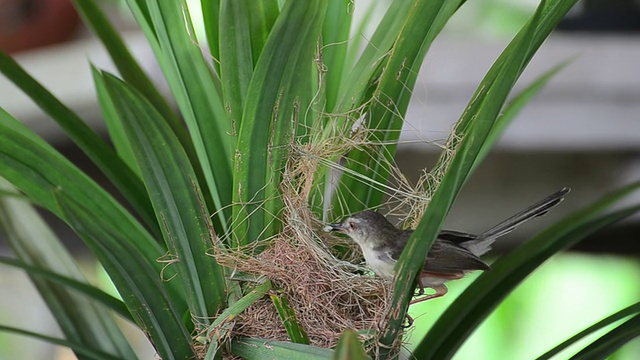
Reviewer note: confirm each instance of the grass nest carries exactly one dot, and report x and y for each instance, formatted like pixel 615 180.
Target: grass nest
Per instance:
pixel 329 292
pixel 328 295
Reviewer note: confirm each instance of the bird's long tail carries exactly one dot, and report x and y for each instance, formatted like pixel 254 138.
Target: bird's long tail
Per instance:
pixel 482 244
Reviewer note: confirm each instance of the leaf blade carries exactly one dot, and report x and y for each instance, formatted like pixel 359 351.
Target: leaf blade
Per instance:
pixel 459 320
pixel 349 347
pixel 176 198
pixel 258 349
pixel 82 320
pixel 630 310
pixel 197 92
pixel 91 144
pixel 79 348
pixel 611 341
pixel 277 93
pixel 389 102
pixel 135 277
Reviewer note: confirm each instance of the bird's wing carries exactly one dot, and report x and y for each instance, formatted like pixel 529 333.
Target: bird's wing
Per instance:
pixel 448 257
pixel 445 256
pixel 456 237
pixel 402 239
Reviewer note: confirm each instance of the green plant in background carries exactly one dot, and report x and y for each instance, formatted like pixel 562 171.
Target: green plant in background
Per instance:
pixel 277 79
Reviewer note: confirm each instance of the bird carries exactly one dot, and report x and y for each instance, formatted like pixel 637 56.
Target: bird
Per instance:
pixel 452 255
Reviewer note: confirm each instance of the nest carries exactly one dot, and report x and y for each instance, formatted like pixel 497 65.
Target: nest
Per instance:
pixel 328 292
pixel 328 295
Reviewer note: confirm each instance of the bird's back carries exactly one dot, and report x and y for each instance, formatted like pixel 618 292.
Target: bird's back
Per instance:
pixel 447 257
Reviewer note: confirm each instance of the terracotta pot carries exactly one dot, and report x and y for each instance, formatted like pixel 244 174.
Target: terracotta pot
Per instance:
pixel 27 24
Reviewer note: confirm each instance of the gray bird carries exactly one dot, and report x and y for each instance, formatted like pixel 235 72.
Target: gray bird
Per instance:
pixel 452 255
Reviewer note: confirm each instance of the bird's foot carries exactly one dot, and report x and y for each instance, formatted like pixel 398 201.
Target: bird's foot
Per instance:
pixel 441 290
pixel 409 322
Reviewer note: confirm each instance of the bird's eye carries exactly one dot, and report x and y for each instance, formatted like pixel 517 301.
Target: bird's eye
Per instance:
pixel 352 225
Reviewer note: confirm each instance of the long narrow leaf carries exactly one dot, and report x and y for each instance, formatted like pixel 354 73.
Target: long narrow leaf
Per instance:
pixel 198 95
pixel 87 351
pixel 513 108
pixel 82 320
pixel 276 100
pixel 126 64
pixel 236 56
pixel 114 123
pixel 349 347
pixel 34 167
pixel 375 53
pixel 611 341
pixel 633 309
pixel 219 330
pixel 81 287
pixel 289 319
pixel 549 13
pixel 91 144
pixel 211 20
pixel 259 349
pixel 176 199
pixel 412 258
pixel 389 103
pixel 135 278
pixel 244 28
pixel 485 293
pixel 335 37
pixel 239 306
pixel 133 74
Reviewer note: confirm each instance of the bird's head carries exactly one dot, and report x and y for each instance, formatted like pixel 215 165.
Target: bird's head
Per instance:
pixel 364 227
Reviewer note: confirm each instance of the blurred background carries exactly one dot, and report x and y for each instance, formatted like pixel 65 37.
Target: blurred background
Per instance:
pixel 582 131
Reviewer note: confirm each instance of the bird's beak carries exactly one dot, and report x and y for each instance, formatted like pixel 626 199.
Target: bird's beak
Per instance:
pixel 336 227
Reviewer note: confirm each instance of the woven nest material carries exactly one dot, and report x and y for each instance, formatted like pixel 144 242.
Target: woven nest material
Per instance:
pixel 328 296
pixel 328 293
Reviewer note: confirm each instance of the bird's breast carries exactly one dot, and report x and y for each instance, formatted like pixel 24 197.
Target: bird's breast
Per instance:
pixel 379 262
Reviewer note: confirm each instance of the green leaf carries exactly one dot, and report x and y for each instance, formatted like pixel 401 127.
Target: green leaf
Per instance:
pixel 81 349
pixel 211 19
pixel 260 349
pixel 628 311
pixel 360 77
pixel 136 278
pixel 349 347
pixel 289 319
pixel 486 292
pixel 197 92
pixel 45 258
pixel 126 64
pixel 80 286
pixel 91 144
pixel 276 101
pixel 548 14
pixel 611 341
pixel 389 102
pixel 239 306
pixel 114 123
pixel 223 324
pixel 236 56
pixel 176 198
pixel 466 151
pixel 244 28
pixel 34 167
pixel 262 15
pixel 512 109
pixel 335 41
